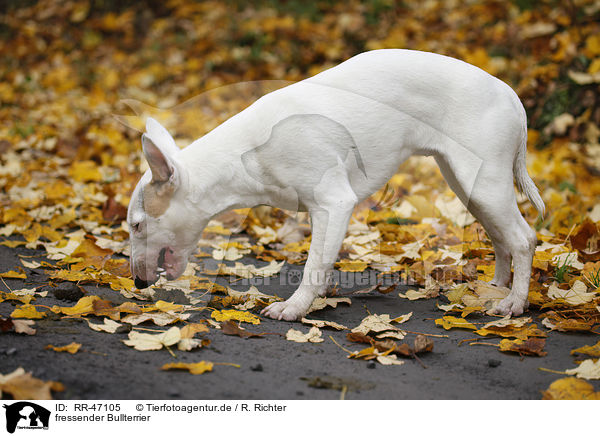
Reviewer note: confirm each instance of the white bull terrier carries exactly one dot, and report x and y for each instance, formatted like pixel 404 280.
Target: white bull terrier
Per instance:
pixel 328 142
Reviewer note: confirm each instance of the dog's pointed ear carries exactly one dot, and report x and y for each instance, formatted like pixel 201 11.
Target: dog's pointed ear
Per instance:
pixel 161 136
pixel 161 166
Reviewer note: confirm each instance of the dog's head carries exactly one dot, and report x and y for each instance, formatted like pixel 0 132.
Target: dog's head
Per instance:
pixel 163 231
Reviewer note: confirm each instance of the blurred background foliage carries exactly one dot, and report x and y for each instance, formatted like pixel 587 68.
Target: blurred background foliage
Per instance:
pixel 66 66
pixel 173 50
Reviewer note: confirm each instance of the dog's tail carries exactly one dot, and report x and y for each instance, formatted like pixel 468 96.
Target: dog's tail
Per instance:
pixel 524 182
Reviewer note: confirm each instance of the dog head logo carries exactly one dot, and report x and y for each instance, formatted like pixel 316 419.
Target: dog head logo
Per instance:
pixel 24 414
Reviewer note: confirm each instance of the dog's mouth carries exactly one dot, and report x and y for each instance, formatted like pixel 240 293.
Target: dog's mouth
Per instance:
pixel 161 259
pixel 166 263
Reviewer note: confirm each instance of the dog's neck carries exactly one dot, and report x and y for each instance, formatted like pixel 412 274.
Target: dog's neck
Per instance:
pixel 217 181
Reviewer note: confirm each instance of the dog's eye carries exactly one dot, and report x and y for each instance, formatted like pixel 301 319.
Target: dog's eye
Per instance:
pixel 135 227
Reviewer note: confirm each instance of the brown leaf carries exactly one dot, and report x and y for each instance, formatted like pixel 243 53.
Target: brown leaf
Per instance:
pixel 112 210
pixel 379 287
pixel 529 347
pixel 422 344
pixel 231 328
pixel 585 239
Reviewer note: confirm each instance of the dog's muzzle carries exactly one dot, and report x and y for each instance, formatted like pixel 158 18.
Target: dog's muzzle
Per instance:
pixel 140 284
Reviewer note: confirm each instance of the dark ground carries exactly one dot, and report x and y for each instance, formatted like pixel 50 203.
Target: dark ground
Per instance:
pixel 105 368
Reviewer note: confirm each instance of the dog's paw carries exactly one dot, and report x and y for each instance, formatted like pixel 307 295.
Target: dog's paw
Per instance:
pixel 284 310
pixel 511 305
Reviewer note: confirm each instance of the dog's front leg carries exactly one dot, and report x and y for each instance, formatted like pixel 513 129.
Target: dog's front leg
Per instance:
pixel 329 223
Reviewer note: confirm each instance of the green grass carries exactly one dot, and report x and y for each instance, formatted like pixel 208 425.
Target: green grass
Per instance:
pixel 562 270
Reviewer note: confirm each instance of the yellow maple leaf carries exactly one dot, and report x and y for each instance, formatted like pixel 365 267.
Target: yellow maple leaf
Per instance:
pixel 28 311
pixel 236 315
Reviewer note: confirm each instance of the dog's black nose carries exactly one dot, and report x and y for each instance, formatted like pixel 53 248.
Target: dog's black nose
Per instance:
pixel 140 284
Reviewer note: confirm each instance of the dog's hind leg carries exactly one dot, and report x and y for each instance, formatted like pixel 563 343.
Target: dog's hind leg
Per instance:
pixel 330 210
pixel 464 191
pixel 490 197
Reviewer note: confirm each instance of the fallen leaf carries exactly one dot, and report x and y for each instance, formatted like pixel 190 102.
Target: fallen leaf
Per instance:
pixel 413 294
pixel 379 287
pixel 321 324
pixel 83 307
pixel 570 388
pixel 574 296
pixel 251 298
pixel 484 295
pixel 322 302
pixel 378 323
pixel 454 210
pixel 248 271
pixel 422 344
pixel 146 341
pixel 14 295
pixel 109 326
pixel 529 347
pixel 590 350
pixel 389 334
pixel 14 274
pixel 23 386
pixel 230 251
pixel 189 330
pixel 313 335
pixel 165 306
pixel 371 353
pixel 72 348
pixel 159 318
pixel 347 265
pixel 509 331
pixel 566 324
pixel 450 322
pixel 237 315
pixel 231 328
pixel 27 311
pixel 589 369
pixel 389 359
pixel 194 368
pixel 508 321
pixel 17 325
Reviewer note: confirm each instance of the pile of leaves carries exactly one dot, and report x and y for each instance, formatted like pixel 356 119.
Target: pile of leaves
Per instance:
pixel 77 79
